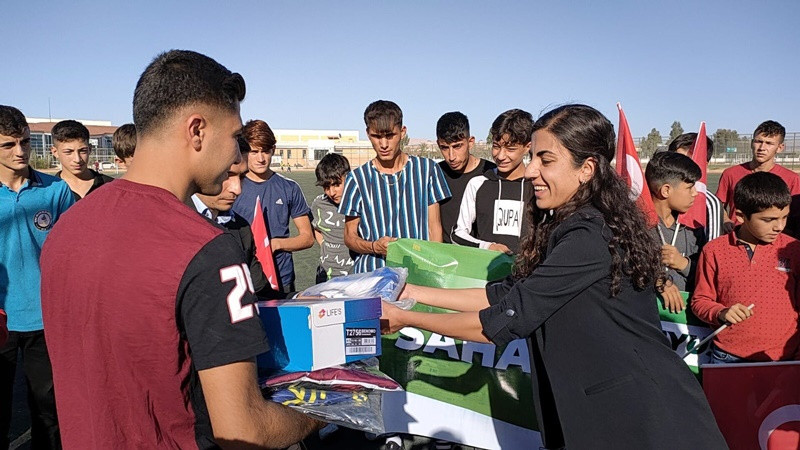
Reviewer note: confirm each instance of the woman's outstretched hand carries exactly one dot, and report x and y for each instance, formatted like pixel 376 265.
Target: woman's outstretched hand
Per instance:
pixel 407 292
pixel 391 319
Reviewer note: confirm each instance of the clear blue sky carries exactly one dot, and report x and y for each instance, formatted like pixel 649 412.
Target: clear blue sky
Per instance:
pixel 318 64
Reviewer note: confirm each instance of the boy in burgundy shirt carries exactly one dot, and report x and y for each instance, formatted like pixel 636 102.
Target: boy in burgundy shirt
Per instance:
pixel 164 357
pixel 753 264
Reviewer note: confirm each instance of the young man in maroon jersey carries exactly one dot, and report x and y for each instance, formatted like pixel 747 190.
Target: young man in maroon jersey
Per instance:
pixel 163 357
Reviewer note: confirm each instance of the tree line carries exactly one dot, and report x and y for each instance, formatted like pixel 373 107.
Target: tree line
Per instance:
pixel 723 138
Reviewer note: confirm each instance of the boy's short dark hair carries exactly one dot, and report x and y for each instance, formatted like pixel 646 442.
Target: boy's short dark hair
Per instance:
pixel 259 135
pixel 178 78
pixel 770 128
pixel 12 121
pixel 244 146
pixel 686 140
pixel 383 115
pixel 760 191
pixel 452 127
pixel 516 123
pixel 124 141
pixel 70 130
pixel 330 170
pixel 670 167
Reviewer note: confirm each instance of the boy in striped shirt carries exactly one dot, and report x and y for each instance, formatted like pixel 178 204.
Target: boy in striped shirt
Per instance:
pixel 394 195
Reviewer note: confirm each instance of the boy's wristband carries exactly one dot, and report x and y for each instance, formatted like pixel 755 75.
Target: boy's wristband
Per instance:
pixel 373 247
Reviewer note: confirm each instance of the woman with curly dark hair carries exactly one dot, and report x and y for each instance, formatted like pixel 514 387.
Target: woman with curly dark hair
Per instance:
pixel 604 375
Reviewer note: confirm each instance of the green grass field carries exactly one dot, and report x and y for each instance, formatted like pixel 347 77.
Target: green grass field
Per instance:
pixel 305 261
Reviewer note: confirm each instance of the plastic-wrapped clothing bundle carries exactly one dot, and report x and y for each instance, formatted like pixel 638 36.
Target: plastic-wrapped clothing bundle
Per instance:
pixel 386 283
pixel 348 395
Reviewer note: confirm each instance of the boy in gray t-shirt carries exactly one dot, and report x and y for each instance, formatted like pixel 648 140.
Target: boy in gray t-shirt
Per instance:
pixel 671 178
pixel 335 258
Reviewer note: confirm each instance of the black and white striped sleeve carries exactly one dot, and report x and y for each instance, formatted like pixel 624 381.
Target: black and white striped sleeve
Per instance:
pixel 466 216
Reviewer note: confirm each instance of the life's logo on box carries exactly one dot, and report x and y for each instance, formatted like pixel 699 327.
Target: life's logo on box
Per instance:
pixel 328 313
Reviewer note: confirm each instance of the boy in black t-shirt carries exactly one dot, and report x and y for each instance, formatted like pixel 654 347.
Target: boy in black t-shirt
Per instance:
pixel 71 148
pixel 459 165
pixel 492 210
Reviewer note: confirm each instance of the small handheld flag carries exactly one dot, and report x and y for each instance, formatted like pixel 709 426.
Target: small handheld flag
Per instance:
pixel 263 249
pixel 696 217
pixel 630 169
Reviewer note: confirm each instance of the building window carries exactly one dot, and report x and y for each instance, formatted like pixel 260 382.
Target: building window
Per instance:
pixel 305 152
pixel 37 141
pixel 289 154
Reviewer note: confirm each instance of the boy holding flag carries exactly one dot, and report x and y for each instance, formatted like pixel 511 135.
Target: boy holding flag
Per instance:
pixel 671 178
pixel 753 264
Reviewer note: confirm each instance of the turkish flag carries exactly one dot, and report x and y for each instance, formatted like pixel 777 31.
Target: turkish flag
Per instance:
pixel 630 169
pixel 263 249
pixel 757 406
pixel 696 216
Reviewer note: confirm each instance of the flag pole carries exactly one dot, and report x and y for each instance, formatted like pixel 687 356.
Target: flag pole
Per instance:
pixel 710 336
pixel 675 236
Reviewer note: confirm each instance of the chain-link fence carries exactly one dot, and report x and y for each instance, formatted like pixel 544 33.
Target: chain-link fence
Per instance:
pixel 730 151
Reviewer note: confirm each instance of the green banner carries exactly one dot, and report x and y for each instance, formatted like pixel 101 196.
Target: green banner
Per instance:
pixel 684 330
pixel 684 317
pixel 447 265
pixel 483 378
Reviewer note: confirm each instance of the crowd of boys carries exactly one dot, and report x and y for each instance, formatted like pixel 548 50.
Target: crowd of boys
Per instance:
pixel 165 355
pixel 745 277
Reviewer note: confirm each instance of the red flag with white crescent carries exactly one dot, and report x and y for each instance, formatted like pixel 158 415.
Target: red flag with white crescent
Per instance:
pixel 696 217
pixel 263 249
pixel 757 405
pixel 630 169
